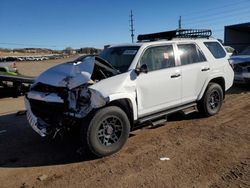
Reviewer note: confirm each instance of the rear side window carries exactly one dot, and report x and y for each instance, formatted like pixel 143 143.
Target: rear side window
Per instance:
pixel 216 49
pixel 189 54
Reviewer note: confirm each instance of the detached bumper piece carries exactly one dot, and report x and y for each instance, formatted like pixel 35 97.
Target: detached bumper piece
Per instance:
pixel 243 78
pixel 33 121
pixel 44 112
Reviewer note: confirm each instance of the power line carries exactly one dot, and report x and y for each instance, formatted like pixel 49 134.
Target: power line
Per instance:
pixel 225 14
pixel 216 18
pixel 222 21
pixel 217 8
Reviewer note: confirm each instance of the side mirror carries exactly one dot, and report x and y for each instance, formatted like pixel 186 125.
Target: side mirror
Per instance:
pixel 142 69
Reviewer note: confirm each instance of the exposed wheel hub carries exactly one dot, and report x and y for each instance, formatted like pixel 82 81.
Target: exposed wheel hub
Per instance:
pixel 214 100
pixel 110 130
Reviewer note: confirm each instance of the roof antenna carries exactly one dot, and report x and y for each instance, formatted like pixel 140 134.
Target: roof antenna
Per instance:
pixel 132 25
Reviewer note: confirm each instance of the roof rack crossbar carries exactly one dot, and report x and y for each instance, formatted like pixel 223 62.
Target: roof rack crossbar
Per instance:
pixel 179 33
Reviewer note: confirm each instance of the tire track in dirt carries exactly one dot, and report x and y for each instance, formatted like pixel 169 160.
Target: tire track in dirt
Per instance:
pixel 236 175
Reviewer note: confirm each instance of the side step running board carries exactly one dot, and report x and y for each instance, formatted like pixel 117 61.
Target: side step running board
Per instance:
pixel 189 108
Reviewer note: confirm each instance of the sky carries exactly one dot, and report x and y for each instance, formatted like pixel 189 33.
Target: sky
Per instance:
pixel 58 24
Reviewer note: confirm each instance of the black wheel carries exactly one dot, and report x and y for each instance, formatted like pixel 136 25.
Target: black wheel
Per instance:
pixel 106 132
pixel 211 102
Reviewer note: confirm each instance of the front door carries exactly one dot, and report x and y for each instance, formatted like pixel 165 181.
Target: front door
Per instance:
pixel 160 88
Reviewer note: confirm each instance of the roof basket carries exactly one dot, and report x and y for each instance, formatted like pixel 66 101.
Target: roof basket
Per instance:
pixel 179 33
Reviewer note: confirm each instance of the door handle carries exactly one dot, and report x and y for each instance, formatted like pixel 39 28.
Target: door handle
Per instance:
pixel 175 75
pixel 205 69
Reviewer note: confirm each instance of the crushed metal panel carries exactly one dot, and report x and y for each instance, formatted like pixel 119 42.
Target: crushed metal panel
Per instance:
pixel 68 75
pixel 50 97
pixel 97 100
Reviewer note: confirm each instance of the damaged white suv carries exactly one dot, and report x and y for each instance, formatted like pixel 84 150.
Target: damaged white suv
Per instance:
pixel 127 85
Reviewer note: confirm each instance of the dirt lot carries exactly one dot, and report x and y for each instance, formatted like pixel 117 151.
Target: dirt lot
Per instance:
pixel 204 152
pixel 34 68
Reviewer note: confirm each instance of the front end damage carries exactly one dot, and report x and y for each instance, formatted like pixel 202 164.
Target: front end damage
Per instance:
pixel 60 97
pixel 241 67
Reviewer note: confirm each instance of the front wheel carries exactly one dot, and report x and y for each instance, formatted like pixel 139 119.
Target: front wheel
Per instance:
pixel 211 102
pixel 106 132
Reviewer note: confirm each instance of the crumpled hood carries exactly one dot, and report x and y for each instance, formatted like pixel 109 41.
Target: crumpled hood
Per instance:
pixel 239 59
pixel 70 75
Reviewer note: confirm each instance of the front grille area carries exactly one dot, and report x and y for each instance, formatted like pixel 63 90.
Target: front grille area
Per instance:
pixel 49 112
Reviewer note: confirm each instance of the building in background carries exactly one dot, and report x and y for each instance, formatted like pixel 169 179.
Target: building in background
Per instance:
pixel 237 36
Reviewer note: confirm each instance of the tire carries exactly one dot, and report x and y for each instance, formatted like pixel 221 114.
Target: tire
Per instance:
pixel 211 101
pixel 106 132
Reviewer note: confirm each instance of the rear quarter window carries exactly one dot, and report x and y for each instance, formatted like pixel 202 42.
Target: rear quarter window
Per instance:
pixel 216 49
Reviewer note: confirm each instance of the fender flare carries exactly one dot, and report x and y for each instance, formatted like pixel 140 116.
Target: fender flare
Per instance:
pixel 131 97
pixel 207 82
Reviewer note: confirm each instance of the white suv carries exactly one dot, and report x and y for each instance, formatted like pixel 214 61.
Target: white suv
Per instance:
pixel 127 85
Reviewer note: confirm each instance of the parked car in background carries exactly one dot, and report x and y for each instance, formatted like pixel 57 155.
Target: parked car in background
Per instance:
pixel 241 66
pixel 8 67
pixel 229 50
pixel 13 84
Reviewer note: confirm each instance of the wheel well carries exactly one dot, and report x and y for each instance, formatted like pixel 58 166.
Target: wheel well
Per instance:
pixel 125 105
pixel 221 82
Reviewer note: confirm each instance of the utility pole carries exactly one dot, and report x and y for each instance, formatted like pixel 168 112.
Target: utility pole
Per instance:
pixel 132 25
pixel 179 22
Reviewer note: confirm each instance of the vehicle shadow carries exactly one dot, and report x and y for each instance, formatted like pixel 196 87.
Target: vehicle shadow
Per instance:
pixel 239 89
pixel 177 116
pixel 20 146
pixel 7 92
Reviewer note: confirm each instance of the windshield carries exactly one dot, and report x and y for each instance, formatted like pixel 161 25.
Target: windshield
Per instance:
pixel 120 57
pixel 246 51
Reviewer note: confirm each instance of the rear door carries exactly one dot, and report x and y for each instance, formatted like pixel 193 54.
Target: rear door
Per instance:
pixel 194 68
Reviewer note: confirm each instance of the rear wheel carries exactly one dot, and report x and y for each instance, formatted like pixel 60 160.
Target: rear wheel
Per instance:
pixel 106 132
pixel 211 102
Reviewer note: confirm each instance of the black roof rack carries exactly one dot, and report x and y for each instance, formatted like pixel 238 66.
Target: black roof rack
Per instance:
pixel 179 33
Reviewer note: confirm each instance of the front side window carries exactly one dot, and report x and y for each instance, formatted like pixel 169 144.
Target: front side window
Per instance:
pixel 216 49
pixel 120 57
pixel 158 57
pixel 189 54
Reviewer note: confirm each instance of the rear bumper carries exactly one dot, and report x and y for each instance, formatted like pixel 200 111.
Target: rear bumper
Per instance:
pixel 242 77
